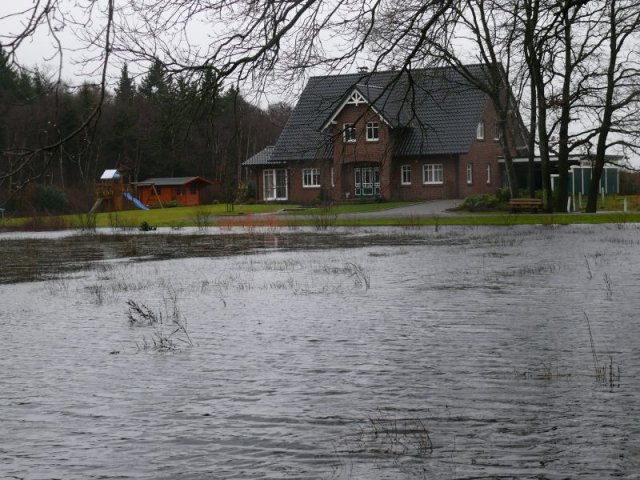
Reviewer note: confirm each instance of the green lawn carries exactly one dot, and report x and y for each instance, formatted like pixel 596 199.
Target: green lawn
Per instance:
pixel 161 217
pixel 190 216
pixel 506 219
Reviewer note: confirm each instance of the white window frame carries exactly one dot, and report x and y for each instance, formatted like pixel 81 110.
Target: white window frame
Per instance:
pixel 469 173
pixel 432 174
pixel 373 131
pixel 271 194
pixel 310 178
pixel 488 173
pixel 405 175
pixel 347 137
pixel 480 130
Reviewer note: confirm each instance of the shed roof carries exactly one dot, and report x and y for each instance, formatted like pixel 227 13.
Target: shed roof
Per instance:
pixel 434 111
pixel 173 181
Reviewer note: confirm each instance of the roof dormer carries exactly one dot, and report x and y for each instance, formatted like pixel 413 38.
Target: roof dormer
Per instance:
pixel 356 99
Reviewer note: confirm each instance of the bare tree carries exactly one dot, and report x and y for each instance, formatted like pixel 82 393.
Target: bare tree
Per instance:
pixel 51 16
pixel 615 89
pixel 560 54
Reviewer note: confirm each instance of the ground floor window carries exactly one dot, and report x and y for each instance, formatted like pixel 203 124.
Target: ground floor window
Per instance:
pixel 310 177
pixel 367 181
pixel 405 175
pixel 469 173
pixel 275 184
pixel 488 173
pixel 432 174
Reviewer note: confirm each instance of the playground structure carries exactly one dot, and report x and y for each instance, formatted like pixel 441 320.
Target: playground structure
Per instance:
pixel 111 193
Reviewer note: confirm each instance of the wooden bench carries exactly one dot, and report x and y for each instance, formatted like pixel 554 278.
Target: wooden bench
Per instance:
pixel 532 204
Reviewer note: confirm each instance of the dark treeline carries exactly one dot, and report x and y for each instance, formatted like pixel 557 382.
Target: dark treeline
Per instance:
pixel 161 126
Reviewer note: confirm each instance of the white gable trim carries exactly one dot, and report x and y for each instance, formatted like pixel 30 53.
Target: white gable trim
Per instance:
pixel 356 99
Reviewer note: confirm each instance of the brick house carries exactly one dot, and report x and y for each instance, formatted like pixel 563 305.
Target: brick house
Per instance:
pixel 421 135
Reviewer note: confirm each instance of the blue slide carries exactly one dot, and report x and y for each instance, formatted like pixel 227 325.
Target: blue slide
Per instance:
pixel 135 201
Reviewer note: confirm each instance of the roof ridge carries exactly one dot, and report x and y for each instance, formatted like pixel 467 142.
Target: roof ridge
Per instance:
pixel 399 70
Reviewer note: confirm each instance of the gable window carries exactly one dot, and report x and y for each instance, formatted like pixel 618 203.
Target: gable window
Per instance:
pixel 480 130
pixel 310 177
pixel 469 173
pixel 349 132
pixel 373 131
pixel 405 175
pixel 432 174
pixel 488 173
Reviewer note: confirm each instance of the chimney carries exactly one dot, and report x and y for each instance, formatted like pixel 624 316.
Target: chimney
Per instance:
pixel 363 69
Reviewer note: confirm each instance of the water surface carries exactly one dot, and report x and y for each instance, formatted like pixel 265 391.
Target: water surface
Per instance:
pixel 459 354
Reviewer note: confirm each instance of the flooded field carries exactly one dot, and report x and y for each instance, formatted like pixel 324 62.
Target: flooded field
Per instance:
pixel 467 353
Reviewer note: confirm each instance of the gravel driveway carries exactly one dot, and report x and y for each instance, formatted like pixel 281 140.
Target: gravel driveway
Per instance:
pixel 423 209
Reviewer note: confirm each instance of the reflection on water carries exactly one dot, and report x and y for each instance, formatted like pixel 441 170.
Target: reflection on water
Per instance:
pixel 465 355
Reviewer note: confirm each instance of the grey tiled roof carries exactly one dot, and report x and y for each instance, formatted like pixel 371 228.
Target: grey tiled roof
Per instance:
pixel 263 157
pixel 432 111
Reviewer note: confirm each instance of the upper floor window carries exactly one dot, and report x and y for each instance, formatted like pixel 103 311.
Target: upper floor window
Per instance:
pixel 349 132
pixel 432 174
pixel 311 177
pixel 373 131
pixel 496 131
pixel 469 173
pixel 480 130
pixel 405 175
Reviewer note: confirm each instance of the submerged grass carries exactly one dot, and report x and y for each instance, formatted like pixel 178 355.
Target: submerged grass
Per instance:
pixel 169 328
pixel 391 436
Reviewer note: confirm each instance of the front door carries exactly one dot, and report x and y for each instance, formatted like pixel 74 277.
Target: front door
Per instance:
pixel 367 181
pixel 275 184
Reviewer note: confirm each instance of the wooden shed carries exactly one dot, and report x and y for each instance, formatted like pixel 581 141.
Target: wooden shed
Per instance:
pixel 187 191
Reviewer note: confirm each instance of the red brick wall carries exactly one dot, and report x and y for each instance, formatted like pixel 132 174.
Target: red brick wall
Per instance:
pixel 418 190
pixel 362 151
pixel 482 153
pixel 296 192
pixel 305 195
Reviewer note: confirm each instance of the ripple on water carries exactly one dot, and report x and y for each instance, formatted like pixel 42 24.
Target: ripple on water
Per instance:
pixel 463 359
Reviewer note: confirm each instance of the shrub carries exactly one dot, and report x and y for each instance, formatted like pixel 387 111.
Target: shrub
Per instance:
pixel 251 190
pixel 503 195
pixel 480 203
pixel 51 198
pixel 145 227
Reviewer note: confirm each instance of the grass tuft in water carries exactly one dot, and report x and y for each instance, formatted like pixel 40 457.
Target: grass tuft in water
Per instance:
pixel 169 327
pixel 605 372
pixel 395 436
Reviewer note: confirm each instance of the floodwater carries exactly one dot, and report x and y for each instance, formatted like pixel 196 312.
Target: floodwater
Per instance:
pixel 468 353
